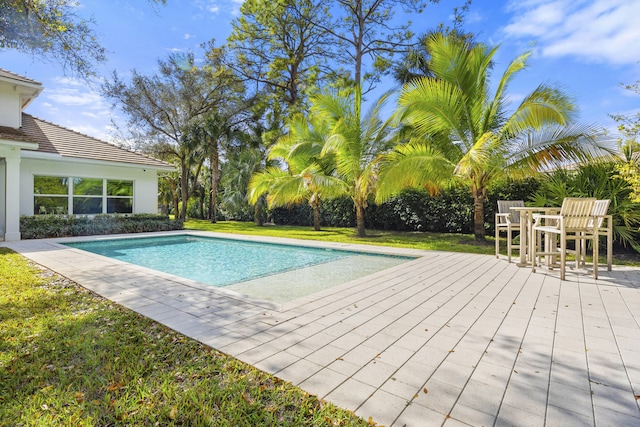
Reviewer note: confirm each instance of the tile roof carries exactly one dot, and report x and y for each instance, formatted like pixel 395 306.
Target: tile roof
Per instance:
pixel 68 143
pixel 14 134
pixel 13 76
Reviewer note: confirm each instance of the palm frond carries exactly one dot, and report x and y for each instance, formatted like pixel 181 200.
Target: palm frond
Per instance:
pixel 413 164
pixel 434 106
pixel 556 146
pixel 545 106
pixel 479 156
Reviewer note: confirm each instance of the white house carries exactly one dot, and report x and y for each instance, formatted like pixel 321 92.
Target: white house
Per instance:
pixel 45 168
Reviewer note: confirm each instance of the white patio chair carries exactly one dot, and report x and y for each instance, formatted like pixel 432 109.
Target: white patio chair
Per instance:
pixel 575 222
pixel 604 227
pixel 507 221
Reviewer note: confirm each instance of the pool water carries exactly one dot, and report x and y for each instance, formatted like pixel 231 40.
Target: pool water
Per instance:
pixel 270 271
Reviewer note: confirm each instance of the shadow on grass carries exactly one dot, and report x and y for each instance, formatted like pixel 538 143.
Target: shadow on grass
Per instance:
pixel 68 357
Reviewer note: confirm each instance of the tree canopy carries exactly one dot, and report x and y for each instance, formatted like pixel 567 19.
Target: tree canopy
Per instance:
pixel 51 29
pixel 173 109
pixel 277 46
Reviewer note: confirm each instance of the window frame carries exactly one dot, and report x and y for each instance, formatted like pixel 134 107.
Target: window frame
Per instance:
pixel 71 196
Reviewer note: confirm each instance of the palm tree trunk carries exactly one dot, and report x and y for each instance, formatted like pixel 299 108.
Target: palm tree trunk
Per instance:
pixel 316 217
pixel 258 212
pixel 478 215
pixel 360 220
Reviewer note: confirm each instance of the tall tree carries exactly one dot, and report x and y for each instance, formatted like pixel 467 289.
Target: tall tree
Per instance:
pixel 464 128
pixel 308 176
pixel 50 29
pixel 276 46
pixel 214 131
pixel 169 106
pixel 358 142
pixel 367 29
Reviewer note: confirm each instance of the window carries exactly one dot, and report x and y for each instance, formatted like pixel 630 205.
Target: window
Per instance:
pixel 119 196
pixel 51 195
pixel 81 196
pixel 87 196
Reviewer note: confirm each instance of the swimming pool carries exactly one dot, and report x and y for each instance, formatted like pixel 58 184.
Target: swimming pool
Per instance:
pixel 275 272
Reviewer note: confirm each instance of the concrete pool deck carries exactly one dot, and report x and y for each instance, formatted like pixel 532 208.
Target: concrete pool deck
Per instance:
pixel 447 339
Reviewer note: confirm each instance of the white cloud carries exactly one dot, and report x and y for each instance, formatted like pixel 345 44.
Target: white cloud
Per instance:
pixel 188 36
pixel 68 81
pixel 209 6
pixel 91 115
pixel 603 31
pixel 68 96
pixel 87 129
pixel 73 104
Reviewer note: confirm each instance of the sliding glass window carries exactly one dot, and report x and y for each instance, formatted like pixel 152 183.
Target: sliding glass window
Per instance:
pixel 81 196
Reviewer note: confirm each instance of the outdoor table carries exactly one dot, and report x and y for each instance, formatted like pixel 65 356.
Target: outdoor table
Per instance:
pixel 526 227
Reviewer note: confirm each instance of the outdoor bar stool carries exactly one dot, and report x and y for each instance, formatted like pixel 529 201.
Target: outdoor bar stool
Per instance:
pixel 507 222
pixel 604 227
pixel 575 222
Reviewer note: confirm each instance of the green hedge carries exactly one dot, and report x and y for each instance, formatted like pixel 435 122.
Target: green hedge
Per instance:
pixel 45 226
pixel 450 211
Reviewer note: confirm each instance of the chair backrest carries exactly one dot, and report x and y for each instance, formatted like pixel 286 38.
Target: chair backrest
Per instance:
pixel 577 212
pixel 504 206
pixel 600 208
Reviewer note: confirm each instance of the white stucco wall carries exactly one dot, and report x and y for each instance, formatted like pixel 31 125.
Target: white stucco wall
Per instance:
pixel 10 112
pixel 3 206
pixel 145 181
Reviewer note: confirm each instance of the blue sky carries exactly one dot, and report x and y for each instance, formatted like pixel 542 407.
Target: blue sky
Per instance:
pixel 590 48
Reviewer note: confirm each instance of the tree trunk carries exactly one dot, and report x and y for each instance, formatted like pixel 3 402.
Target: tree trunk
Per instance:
pixel 316 217
pixel 184 189
pixel 478 215
pixel 215 177
pixel 201 202
pixel 258 213
pixel 176 199
pixel 360 220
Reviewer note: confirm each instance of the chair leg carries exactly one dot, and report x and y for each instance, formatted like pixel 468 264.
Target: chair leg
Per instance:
pixel 497 242
pixel 595 255
pixel 509 239
pixel 563 256
pixel 609 249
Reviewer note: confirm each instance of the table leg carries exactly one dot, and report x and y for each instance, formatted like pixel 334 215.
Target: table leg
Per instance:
pixel 524 237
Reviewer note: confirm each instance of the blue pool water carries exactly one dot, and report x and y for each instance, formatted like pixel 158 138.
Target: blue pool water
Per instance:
pixel 223 262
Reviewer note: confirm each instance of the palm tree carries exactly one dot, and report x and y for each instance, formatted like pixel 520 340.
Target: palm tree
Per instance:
pixel 357 143
pixel 241 166
pixel 308 177
pixel 461 130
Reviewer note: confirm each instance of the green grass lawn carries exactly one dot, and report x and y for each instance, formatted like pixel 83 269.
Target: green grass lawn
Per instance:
pixel 416 240
pixel 71 358
pixel 427 241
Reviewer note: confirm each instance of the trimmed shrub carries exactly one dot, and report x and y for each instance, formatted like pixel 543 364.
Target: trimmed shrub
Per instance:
pixel 450 211
pixel 45 226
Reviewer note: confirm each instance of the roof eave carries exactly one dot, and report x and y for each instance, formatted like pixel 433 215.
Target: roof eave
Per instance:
pixel 23 145
pixel 51 156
